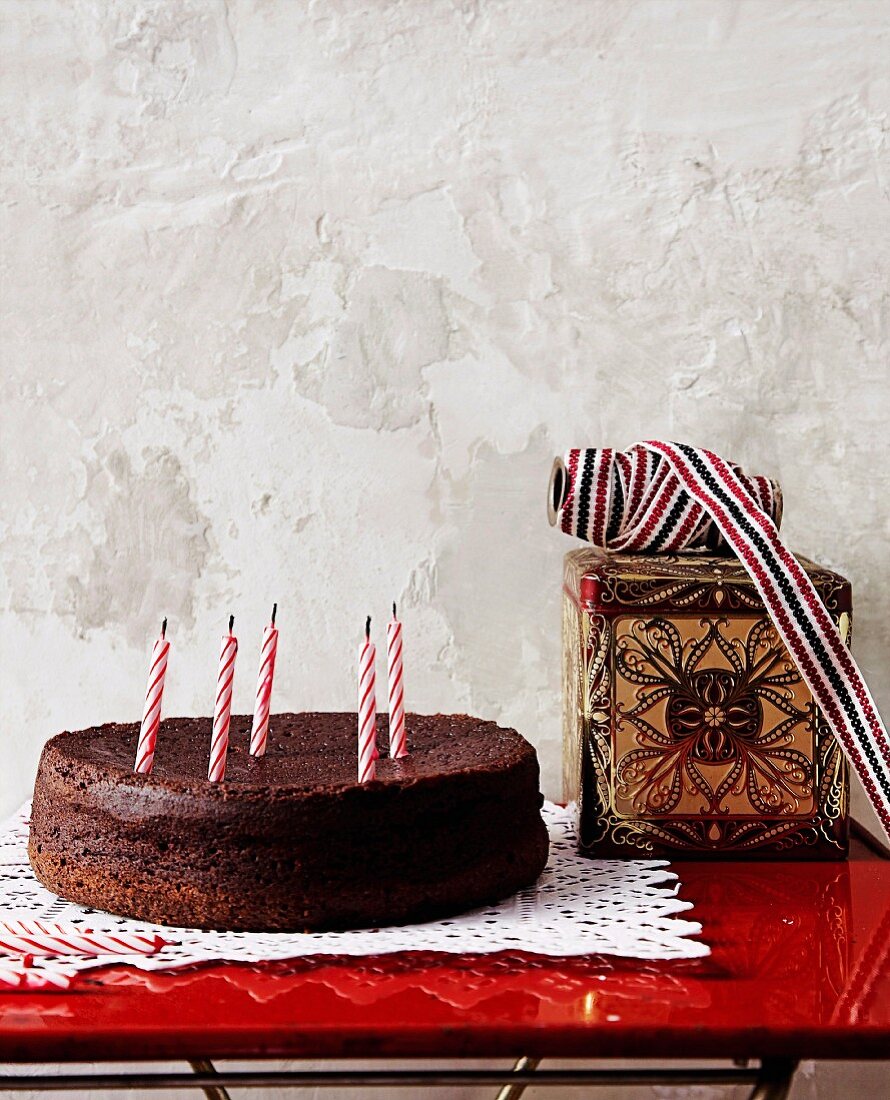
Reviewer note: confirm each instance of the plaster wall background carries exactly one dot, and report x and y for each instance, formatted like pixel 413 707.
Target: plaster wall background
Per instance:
pixel 300 300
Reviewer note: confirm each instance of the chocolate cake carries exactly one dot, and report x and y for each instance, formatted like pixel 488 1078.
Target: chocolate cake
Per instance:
pixel 290 841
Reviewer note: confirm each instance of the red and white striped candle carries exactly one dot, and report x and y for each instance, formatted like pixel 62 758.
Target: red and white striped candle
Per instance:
pixel 22 978
pixel 222 713
pixel 34 937
pixel 367 708
pixel 259 734
pixel 151 714
pixel 397 742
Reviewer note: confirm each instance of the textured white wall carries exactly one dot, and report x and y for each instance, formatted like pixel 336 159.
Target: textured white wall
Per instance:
pixel 299 300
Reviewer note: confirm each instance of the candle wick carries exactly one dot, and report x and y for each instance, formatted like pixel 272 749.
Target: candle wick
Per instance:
pixel 231 622
pixel 368 627
pixel 274 612
pixel 394 615
pixel 164 627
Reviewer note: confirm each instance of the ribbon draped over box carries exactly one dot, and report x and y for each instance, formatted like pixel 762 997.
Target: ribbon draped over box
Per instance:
pixel 671 497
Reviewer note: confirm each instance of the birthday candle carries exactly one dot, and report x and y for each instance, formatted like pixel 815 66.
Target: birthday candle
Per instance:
pixel 151 714
pixel 24 977
pixel 367 709
pixel 259 733
pixel 34 937
pixel 397 742
pixel 219 745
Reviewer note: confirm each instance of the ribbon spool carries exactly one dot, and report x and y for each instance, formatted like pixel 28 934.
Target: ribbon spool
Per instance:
pixel 671 497
pixel 632 501
pixel 557 490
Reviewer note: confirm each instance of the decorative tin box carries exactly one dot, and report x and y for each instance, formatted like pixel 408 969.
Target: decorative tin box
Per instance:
pixel 689 731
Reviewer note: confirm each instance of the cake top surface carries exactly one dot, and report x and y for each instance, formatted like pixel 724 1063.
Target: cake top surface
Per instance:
pixel 307 751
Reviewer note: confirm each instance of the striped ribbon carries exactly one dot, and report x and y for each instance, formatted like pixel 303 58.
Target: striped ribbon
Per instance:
pixel 151 717
pixel 671 497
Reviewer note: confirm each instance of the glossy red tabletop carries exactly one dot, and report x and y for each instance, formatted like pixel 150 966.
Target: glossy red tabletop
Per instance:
pixel 800 967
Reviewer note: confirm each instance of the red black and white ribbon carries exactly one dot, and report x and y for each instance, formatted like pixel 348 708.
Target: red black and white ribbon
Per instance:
pixel 671 497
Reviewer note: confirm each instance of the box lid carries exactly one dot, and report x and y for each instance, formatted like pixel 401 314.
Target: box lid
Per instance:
pixel 598 580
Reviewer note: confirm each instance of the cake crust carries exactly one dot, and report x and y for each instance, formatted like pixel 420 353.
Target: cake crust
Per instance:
pixel 290 841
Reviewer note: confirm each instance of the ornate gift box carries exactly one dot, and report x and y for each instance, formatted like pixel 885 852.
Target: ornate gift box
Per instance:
pixel 688 730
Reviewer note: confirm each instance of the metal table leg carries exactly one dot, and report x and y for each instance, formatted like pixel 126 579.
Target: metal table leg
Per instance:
pixel 212 1092
pixel 513 1092
pixel 774 1080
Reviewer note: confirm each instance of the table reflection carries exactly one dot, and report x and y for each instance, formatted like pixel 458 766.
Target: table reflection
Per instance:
pixel 792 944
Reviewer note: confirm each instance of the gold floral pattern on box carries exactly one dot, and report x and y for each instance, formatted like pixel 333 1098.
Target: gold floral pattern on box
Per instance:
pixel 711 717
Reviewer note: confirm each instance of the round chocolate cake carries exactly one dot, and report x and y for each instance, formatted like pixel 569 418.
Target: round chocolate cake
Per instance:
pixel 290 841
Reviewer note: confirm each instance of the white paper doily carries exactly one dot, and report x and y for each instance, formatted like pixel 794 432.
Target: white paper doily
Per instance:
pixel 578 907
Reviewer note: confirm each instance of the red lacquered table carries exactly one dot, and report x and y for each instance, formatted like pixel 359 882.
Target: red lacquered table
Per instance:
pixel 800 968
